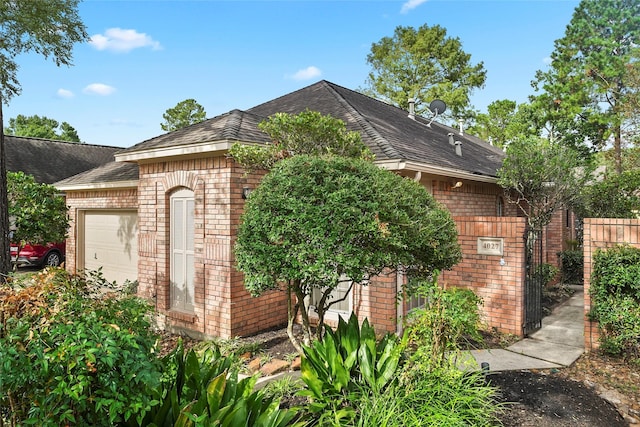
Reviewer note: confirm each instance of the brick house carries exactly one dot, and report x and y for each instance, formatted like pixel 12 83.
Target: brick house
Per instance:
pixel 165 213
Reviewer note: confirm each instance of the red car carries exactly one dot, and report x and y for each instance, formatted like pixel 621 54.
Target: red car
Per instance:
pixel 49 255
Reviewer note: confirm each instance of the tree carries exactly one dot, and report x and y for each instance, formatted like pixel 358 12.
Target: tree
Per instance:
pixel 41 127
pixel 540 176
pixel 49 28
pixel 185 113
pixel 631 108
pixel 38 211
pixel 315 221
pixel 308 132
pixel 504 122
pixel 584 91
pixel 612 196
pixel 424 65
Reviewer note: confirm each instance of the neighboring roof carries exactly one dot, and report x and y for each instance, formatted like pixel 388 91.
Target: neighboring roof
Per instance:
pixel 50 161
pixel 110 175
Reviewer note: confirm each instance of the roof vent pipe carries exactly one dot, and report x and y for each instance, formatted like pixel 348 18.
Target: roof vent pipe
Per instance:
pixel 461 123
pixel 451 141
pixel 458 148
pixel 412 108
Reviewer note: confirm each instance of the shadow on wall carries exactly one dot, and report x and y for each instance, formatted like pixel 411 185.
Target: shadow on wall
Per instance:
pixel 127 231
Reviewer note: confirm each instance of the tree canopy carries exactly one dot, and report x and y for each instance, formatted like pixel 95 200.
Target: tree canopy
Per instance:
pixel 424 64
pixel 610 196
pixel 49 28
pixel 317 220
pixel 308 132
pixel 505 121
pixel 41 127
pixel 185 113
pixel 585 90
pixel 38 211
pixel 540 176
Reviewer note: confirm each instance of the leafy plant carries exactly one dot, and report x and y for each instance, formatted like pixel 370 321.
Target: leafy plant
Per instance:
pixel 446 396
pixel 545 273
pixel 346 363
pixel 572 266
pixel 38 211
pixel 283 387
pixel 69 358
pixel 615 296
pixel 434 331
pixel 205 390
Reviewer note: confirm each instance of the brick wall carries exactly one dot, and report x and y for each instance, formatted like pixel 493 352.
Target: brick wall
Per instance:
pixel 602 233
pixel 223 307
pixel 472 198
pixel 500 285
pixel 377 302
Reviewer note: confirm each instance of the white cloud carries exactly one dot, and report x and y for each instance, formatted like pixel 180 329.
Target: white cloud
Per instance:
pixel 307 73
pixel 64 93
pixel 119 40
pixel 547 60
pixel 411 4
pixel 99 89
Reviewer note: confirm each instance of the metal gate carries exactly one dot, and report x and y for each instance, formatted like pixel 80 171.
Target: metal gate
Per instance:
pixel 533 281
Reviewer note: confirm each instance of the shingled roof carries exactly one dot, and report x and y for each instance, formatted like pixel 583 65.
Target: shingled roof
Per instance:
pixel 51 161
pixel 110 175
pixel 388 130
pixel 390 133
pixel 234 126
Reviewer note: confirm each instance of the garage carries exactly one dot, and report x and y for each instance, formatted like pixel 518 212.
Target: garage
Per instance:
pixel 110 241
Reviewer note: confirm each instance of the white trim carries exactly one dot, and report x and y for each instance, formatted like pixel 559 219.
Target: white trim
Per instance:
pixel 99 186
pixel 175 151
pixel 399 164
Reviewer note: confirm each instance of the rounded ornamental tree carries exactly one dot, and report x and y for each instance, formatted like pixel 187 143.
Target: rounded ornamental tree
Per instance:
pixel 315 221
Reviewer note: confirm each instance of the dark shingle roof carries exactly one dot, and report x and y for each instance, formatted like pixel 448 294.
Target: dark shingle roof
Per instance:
pixel 388 130
pixel 112 172
pixel 233 126
pixel 50 161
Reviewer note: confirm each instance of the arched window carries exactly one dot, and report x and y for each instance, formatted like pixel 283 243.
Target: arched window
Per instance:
pixel 182 250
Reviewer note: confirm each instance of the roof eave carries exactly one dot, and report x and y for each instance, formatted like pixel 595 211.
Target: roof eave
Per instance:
pixel 116 185
pixel 199 148
pixel 399 164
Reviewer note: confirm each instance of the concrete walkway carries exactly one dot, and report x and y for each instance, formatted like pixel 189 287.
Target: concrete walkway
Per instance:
pixel 557 344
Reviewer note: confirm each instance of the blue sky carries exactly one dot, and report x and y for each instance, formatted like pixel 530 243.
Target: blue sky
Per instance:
pixel 146 56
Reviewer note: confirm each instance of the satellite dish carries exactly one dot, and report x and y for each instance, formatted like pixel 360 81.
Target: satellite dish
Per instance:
pixel 437 107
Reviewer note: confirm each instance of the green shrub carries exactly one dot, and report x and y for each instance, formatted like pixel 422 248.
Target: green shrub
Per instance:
pixel 572 266
pixel 71 359
pixel 436 329
pixel 615 298
pixel 545 273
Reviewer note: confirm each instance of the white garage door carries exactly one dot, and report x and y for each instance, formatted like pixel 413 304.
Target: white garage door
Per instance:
pixel 111 242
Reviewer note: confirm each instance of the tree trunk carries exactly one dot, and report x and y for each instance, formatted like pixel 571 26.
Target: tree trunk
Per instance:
pixel 5 245
pixel 306 326
pixel 617 148
pixel 292 312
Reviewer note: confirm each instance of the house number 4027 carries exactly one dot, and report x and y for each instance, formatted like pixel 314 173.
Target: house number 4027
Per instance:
pixel 490 246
